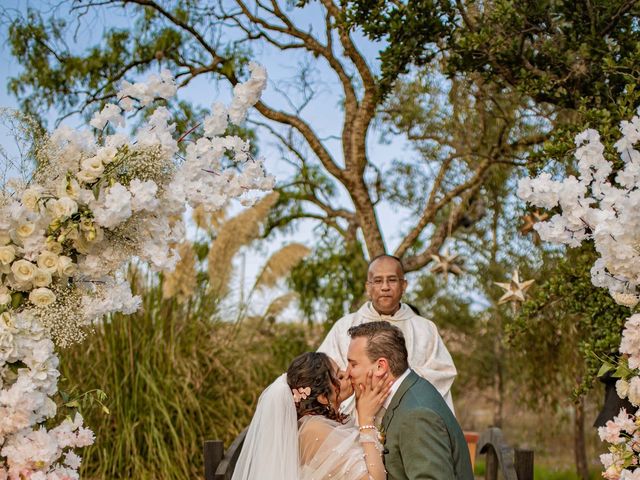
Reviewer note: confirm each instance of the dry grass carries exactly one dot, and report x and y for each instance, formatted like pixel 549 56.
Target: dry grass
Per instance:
pixel 182 282
pixel 280 264
pixel 232 236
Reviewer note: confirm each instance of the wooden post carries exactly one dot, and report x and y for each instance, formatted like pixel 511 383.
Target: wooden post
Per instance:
pixel 524 464
pixel 213 454
pixel 491 470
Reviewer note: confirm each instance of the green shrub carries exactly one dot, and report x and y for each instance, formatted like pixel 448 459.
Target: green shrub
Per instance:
pixel 174 376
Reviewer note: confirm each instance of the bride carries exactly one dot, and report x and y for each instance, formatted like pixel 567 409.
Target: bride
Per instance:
pixel 298 432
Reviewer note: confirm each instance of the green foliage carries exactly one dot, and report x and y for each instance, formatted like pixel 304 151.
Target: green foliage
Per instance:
pixel 411 30
pixel 174 376
pixel 553 51
pixel 331 280
pixel 584 61
pixel 565 321
pixel 449 309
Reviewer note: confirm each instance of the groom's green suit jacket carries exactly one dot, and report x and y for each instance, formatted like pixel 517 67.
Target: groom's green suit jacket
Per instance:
pixel 423 439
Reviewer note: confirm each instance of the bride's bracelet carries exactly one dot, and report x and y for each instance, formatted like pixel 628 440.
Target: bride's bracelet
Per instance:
pixel 367 427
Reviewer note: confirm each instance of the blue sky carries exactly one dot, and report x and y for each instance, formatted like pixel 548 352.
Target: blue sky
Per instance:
pixel 325 113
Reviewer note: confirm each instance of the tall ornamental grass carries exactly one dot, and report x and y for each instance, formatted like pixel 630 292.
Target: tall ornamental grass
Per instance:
pixel 175 375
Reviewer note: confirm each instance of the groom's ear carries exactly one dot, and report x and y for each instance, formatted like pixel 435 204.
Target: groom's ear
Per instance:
pixel 382 367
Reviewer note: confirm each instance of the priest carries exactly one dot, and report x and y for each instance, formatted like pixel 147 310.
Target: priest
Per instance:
pixel 428 356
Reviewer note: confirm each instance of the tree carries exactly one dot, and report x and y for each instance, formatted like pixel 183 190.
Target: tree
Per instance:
pixel 580 57
pixel 341 186
pixel 571 321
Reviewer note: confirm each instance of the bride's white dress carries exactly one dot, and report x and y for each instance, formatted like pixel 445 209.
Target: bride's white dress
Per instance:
pixel 278 447
pixel 330 450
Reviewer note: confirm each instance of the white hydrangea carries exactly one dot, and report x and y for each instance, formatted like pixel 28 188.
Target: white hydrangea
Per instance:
pixel 115 209
pixel 216 123
pixel 110 298
pixel 630 343
pixel 162 86
pixel 247 94
pixel 144 195
pixel 595 208
pixel 76 229
pixel 110 113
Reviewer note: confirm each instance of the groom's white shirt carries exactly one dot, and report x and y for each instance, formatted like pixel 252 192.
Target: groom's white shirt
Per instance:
pixel 394 387
pixel 428 355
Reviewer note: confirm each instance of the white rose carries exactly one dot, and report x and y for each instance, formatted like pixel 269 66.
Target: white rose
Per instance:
pixel 4 238
pixel 107 154
pixel 53 246
pixel 68 188
pixel 48 261
pixel 41 297
pixel 25 229
pixel 30 198
pixel 81 245
pixel 41 278
pixel 622 388
pixel 64 207
pixel 5 296
pixel 66 267
pixel 93 166
pixel 7 254
pixel 86 177
pixel 634 391
pixel 626 299
pixel 23 270
pixel 71 233
pixel 17 286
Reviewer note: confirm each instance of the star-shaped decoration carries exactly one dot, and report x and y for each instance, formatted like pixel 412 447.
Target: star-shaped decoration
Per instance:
pixel 514 291
pixel 530 219
pixel 445 264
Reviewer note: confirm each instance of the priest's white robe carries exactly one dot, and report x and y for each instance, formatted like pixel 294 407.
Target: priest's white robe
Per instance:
pixel 428 355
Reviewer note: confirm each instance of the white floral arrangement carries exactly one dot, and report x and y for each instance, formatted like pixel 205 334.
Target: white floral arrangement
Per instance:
pixel 592 207
pixel 92 204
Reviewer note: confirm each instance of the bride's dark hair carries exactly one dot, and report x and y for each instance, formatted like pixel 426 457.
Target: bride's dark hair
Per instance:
pixel 314 370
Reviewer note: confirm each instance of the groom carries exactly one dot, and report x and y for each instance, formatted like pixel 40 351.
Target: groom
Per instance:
pixel 422 437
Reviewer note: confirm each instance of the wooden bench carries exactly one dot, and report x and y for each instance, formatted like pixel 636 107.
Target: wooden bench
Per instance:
pixel 511 463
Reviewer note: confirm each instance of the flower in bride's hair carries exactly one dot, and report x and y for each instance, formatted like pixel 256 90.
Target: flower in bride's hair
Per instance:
pixel 300 393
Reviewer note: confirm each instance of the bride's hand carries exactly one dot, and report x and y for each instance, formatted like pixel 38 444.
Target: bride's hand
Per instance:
pixel 369 397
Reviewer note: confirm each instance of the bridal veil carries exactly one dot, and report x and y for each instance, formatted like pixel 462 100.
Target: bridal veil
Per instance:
pixel 270 449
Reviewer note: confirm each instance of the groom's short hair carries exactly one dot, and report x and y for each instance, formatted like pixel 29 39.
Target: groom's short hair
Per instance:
pixel 384 341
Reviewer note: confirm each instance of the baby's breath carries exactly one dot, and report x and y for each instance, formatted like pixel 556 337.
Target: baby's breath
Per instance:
pixel 63 318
